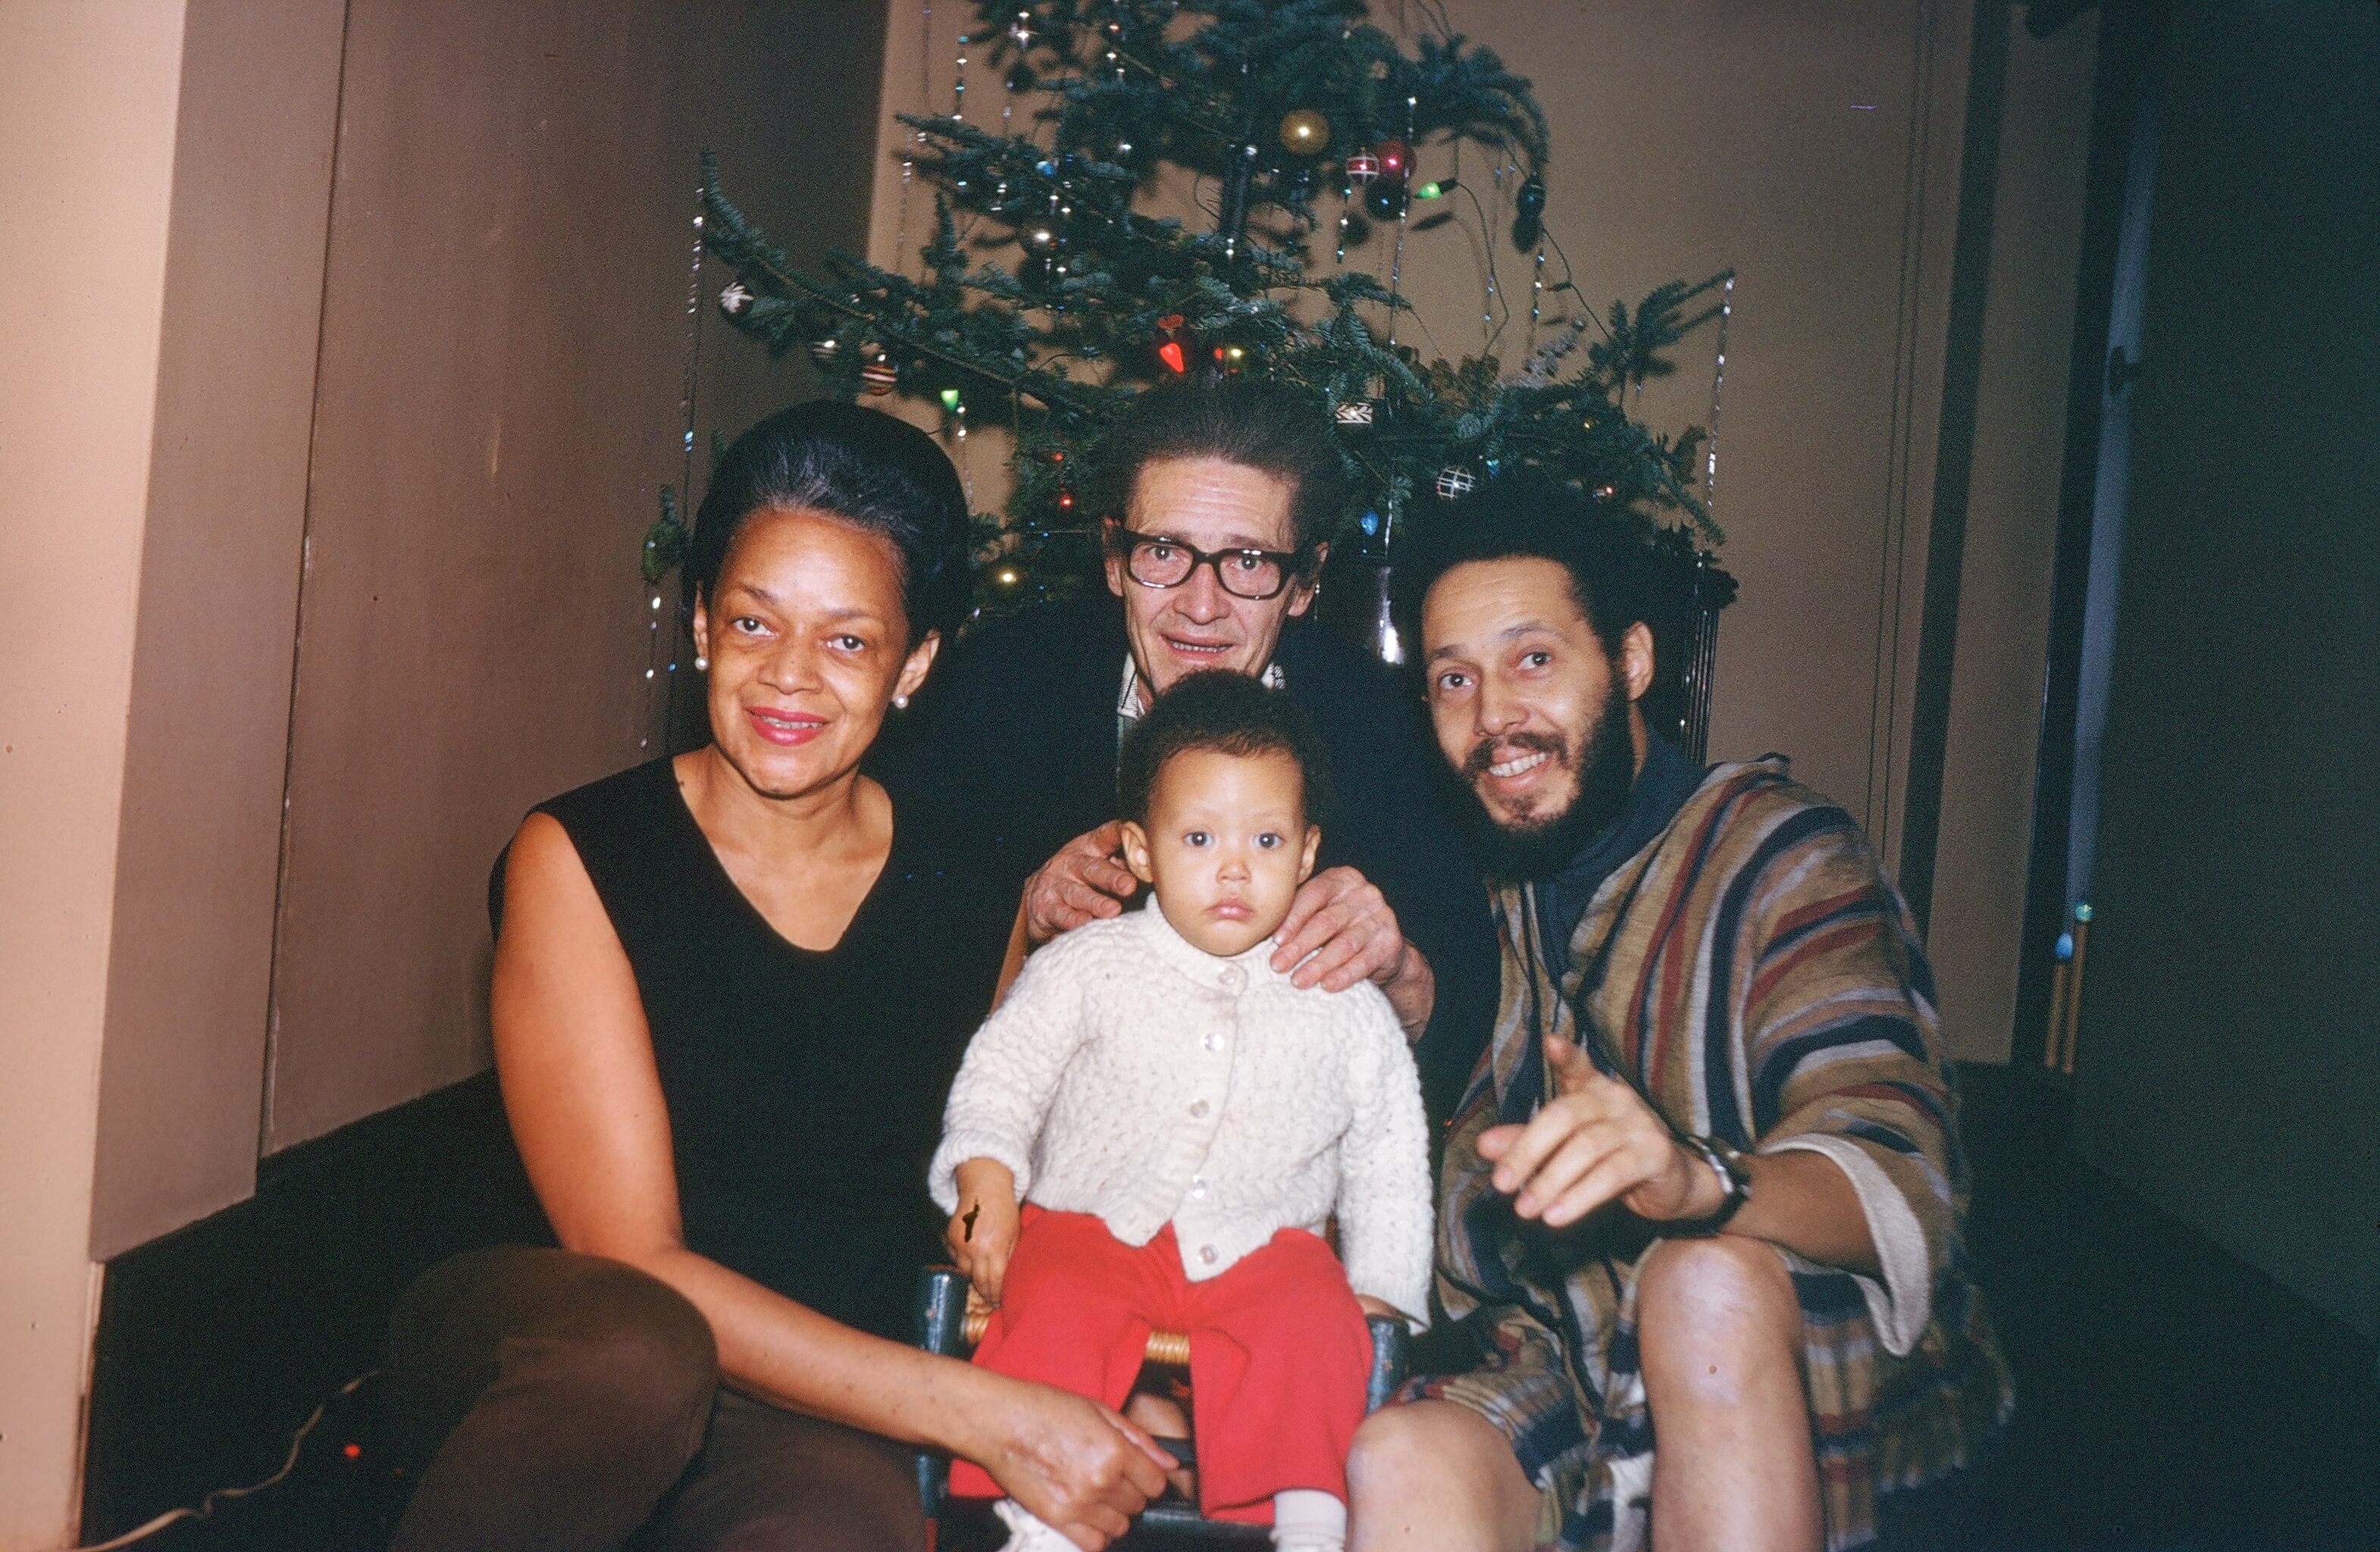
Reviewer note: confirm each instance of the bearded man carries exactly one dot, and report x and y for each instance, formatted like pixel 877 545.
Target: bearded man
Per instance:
pixel 1702 1204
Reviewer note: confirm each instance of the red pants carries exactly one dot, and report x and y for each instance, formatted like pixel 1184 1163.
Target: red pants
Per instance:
pixel 1278 1351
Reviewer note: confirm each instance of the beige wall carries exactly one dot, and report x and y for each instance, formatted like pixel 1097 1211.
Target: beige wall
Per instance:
pixel 87 116
pixel 505 339
pixel 1985 839
pixel 1816 149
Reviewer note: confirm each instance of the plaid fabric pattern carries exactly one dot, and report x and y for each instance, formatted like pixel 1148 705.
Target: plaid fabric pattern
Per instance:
pixel 1757 978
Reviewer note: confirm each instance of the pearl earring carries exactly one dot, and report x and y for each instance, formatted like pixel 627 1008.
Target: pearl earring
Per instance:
pixel 702 665
pixel 900 703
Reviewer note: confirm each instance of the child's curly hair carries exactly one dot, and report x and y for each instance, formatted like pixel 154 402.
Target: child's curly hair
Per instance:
pixel 1232 714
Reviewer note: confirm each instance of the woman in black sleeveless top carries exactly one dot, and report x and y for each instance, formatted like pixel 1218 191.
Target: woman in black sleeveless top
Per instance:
pixel 729 993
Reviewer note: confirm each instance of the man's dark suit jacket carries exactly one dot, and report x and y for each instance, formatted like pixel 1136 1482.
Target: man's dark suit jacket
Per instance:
pixel 1010 753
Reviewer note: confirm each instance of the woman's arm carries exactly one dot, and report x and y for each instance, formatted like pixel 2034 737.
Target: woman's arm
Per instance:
pixel 576 1063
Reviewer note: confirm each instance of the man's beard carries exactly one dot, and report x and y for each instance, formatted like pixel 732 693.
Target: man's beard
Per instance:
pixel 1540 847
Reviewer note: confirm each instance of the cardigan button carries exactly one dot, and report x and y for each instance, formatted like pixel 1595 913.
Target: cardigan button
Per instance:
pixel 1212 1040
pixel 1199 1109
pixel 1233 977
pixel 1207 1253
pixel 1198 1187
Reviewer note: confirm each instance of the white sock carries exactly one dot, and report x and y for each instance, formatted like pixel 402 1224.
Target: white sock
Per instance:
pixel 1027 1534
pixel 1307 1520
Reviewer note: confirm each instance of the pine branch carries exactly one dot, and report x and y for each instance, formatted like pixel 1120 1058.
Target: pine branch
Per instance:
pixel 1045 287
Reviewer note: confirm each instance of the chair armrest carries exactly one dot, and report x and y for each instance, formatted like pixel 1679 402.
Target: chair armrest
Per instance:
pixel 941 1312
pixel 1390 1342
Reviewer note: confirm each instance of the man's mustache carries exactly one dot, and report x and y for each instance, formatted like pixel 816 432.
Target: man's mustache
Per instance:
pixel 1485 753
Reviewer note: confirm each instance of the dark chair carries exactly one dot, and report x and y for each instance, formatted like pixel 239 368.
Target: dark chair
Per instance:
pixel 945 1325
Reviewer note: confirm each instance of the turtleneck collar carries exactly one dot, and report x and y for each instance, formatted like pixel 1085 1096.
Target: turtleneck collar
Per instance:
pixel 1663 783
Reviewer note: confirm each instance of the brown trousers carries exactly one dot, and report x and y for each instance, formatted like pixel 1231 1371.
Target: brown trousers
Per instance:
pixel 546 1399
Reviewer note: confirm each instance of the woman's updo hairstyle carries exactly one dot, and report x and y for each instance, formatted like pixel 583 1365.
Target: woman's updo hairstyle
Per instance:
pixel 861 466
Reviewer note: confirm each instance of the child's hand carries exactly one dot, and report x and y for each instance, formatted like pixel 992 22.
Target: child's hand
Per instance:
pixel 983 1230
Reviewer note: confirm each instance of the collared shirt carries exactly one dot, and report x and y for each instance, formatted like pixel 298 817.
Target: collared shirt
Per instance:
pixel 1132 700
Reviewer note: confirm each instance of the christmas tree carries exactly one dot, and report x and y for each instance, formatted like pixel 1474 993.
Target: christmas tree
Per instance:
pixel 1053 288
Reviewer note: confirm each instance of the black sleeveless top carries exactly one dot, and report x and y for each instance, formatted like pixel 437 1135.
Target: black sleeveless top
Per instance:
pixel 804 1088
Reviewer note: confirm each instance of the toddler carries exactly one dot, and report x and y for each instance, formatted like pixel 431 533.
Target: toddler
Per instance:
pixel 1179 1121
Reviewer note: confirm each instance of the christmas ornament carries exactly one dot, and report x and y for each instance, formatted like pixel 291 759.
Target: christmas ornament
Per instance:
pixel 1355 412
pixel 1454 481
pixel 1363 167
pixel 1528 213
pixel 1173 342
pixel 879 376
pixel 736 299
pixel 824 351
pixel 1304 132
pixel 1385 199
pixel 1396 160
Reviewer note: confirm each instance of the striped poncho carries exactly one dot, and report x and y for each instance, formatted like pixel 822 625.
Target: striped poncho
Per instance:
pixel 1757 976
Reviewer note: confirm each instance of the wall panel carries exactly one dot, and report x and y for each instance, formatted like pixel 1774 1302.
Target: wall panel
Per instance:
pixel 1975 934
pixel 504 341
pixel 208 747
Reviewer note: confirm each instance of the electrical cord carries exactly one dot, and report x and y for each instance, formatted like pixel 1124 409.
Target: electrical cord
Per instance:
pixel 206 1506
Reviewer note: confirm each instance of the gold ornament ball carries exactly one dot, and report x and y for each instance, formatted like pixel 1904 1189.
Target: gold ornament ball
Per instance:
pixel 879 376
pixel 1305 132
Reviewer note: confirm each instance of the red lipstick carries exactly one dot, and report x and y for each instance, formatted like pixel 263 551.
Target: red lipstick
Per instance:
pixel 786 729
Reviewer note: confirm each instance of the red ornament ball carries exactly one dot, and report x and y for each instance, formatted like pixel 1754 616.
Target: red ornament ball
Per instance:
pixel 1396 159
pixel 1363 167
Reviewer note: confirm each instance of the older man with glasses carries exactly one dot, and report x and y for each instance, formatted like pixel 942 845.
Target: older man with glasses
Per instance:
pixel 1216 503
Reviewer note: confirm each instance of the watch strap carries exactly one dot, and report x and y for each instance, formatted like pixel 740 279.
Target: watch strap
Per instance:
pixel 1734 1179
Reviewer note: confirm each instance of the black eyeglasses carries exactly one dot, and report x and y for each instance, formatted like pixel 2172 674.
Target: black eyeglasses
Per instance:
pixel 1155 561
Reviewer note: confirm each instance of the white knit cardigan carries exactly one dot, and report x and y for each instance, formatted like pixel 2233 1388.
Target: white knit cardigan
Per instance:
pixel 1134 1075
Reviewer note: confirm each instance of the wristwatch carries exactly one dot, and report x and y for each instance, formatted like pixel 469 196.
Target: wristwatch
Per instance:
pixel 1733 1179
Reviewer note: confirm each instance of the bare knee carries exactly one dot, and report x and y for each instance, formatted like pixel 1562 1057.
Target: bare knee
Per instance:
pixel 1397 1445
pixel 1435 1474
pixel 1713 1312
